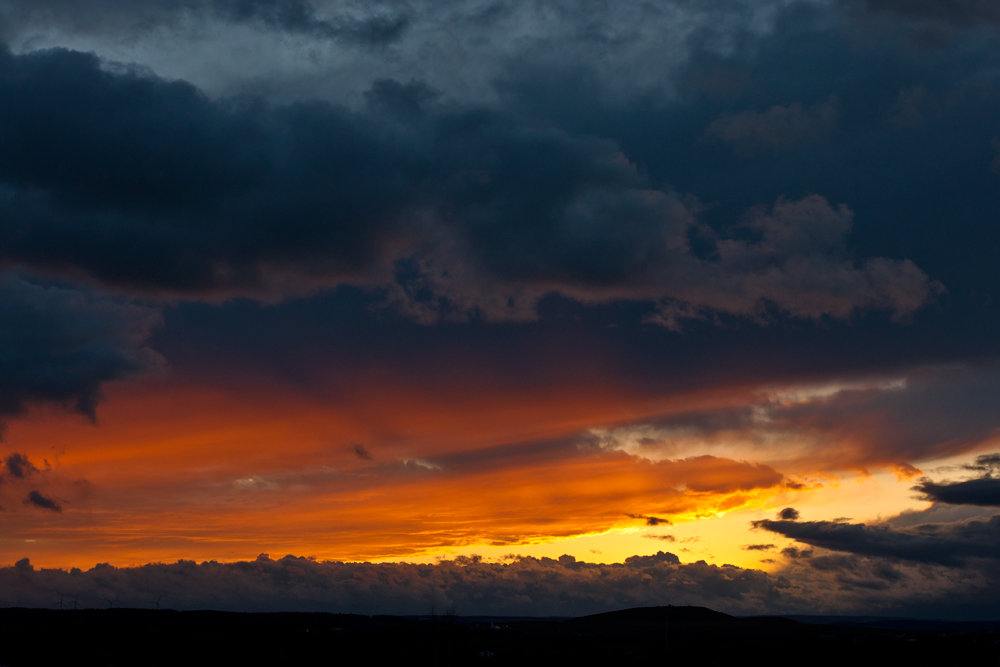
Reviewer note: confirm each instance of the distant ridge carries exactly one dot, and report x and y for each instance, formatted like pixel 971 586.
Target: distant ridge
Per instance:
pixel 655 615
pixel 644 635
pixel 897 623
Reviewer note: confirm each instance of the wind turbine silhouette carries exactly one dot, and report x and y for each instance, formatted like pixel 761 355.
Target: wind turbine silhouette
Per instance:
pixel 111 602
pixel 157 602
pixel 61 605
pixel 74 602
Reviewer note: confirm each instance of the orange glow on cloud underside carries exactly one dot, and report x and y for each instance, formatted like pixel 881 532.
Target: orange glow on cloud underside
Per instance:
pixel 400 510
pixel 195 472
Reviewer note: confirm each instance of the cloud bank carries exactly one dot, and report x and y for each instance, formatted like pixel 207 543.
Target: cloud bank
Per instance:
pixel 517 586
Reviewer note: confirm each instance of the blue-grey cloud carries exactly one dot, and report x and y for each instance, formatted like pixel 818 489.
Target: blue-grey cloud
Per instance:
pixel 61 345
pixel 778 126
pixel 160 190
pixel 371 26
pixel 962 12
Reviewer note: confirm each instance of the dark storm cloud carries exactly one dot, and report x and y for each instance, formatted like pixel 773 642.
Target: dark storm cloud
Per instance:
pixel 60 345
pixel 651 520
pixel 37 499
pixel 776 127
pixel 942 544
pixel 985 463
pixel 795 553
pixel 158 189
pixel 981 492
pixel 788 514
pixel 757 547
pixel 375 27
pixel 965 12
pixel 852 572
pixel 19 467
pixel 299 16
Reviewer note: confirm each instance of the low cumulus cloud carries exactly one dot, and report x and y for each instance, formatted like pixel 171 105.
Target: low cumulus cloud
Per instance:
pixel 60 345
pixel 516 586
pixel 519 586
pixel 450 211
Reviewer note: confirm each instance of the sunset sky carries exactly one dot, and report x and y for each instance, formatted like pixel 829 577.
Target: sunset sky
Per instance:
pixel 701 294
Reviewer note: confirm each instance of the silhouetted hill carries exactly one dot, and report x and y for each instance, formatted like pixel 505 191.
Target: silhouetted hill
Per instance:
pixel 903 624
pixel 650 635
pixel 645 616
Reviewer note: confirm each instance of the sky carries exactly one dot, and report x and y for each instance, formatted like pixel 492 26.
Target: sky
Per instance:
pixel 533 308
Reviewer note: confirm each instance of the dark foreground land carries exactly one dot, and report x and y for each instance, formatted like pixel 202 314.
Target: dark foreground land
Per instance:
pixel 651 635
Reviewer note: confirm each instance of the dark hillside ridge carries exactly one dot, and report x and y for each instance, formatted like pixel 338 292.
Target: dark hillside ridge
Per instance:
pixel 904 624
pixel 652 615
pixel 642 636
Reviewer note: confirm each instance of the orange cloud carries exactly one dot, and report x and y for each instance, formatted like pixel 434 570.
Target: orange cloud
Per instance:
pixel 175 470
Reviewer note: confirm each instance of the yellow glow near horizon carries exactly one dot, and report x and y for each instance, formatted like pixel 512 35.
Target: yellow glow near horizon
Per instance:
pixel 720 539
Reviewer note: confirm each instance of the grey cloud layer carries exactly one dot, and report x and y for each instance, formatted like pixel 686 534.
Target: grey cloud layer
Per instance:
pixel 291 49
pixel 927 414
pixel 150 186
